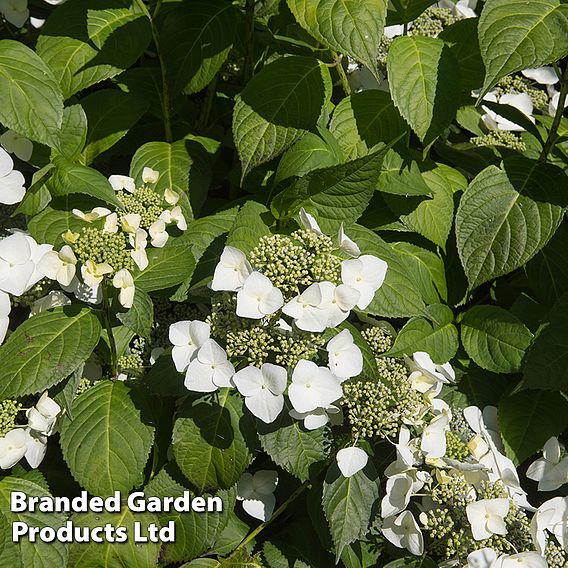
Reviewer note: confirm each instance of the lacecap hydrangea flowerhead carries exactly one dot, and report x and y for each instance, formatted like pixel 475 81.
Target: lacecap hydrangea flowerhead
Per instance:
pixel 111 246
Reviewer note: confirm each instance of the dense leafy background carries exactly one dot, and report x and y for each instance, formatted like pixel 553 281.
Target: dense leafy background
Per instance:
pixel 251 110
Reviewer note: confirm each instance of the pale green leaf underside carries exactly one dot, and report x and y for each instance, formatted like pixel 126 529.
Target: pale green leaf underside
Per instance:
pixel 106 444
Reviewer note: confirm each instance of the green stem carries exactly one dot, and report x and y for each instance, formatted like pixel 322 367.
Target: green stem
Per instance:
pixel 157 8
pixel 341 73
pixel 165 88
pixel 207 104
pixel 553 134
pixel 278 512
pixel 108 327
pixel 249 41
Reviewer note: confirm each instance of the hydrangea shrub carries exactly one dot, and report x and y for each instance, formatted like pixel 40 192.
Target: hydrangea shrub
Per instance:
pixel 307 257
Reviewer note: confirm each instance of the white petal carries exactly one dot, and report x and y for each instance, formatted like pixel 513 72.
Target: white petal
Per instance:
pixel 199 377
pixel 351 460
pixel 482 558
pixel 12 188
pixel 260 509
pixel 6 163
pixel 249 381
pixel 275 377
pixel 309 222
pixel 265 405
pixel 542 75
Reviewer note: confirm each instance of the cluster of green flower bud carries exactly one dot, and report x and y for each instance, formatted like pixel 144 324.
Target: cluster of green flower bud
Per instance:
pixel 379 339
pixel 503 138
pixel 299 345
pixel 257 343
pixel 130 361
pixel 449 528
pixel 9 410
pixel 377 408
pixel 456 449
pixel 293 263
pixel 253 344
pixel 383 53
pixel 459 426
pixel 432 22
pixel 145 202
pixel 516 84
pixel 112 248
pixel 554 555
pixel 84 385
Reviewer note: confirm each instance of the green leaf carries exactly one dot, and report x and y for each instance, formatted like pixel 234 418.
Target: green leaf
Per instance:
pixel 64 392
pixel 352 27
pixel 73 133
pixel 548 270
pixel 46 349
pixel 110 113
pixel 174 163
pixel 249 227
pixel 196 38
pixel 308 154
pixel 427 270
pixel 437 336
pixel 32 104
pixel 364 119
pixel 50 224
pixel 140 317
pixel 424 82
pixel 516 35
pixel 213 440
pixel 528 419
pixel 27 554
pixel 334 195
pixel 547 360
pixel 462 37
pixel 195 533
pixel 115 555
pixel 433 218
pixel 168 266
pixel 291 446
pixel 277 107
pixel 106 444
pixel 404 11
pixel 482 388
pixel 348 503
pixel 72 178
pixel 83 44
pixel 506 216
pixel 400 176
pixel 494 338
pixel 273 557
